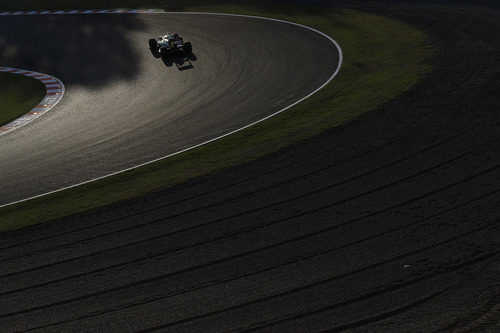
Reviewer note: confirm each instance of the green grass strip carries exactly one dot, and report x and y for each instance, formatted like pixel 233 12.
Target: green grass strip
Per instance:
pixel 383 58
pixel 18 95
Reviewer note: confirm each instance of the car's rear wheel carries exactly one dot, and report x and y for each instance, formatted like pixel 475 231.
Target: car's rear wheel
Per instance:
pixel 153 45
pixel 187 47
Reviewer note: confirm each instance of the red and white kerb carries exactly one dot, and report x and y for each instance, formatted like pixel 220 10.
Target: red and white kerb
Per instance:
pixel 54 92
pixel 81 11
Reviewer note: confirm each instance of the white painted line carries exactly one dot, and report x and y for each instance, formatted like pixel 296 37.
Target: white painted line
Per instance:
pixel 49 100
pixel 334 74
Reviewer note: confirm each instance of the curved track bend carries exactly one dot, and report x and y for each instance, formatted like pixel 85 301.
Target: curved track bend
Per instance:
pixel 123 107
pixel 389 223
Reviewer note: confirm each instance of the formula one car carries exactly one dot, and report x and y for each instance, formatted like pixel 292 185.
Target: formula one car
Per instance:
pixel 169 44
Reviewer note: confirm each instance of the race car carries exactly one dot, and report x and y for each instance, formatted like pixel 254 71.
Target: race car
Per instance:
pixel 169 44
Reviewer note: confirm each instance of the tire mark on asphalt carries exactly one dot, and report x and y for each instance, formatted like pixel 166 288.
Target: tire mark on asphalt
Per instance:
pixel 218 261
pixel 191 198
pixel 278 244
pixel 384 315
pixel 93 254
pixel 303 195
pixel 288 200
pixel 87 227
pixel 294 290
pixel 187 199
pixel 358 299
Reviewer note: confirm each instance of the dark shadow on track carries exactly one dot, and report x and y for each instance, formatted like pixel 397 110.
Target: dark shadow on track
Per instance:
pixel 82 49
pixel 182 61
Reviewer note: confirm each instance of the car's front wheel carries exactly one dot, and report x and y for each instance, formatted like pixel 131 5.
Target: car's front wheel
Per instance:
pixel 153 45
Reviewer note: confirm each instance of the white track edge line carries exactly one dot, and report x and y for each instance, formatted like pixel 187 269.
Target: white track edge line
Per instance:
pixel 337 70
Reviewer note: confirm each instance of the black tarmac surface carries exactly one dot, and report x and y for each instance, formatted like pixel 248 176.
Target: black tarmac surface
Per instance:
pixel 124 107
pixel 386 224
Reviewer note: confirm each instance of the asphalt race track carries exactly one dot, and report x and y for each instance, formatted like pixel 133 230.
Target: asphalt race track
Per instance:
pixel 387 224
pixel 123 107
